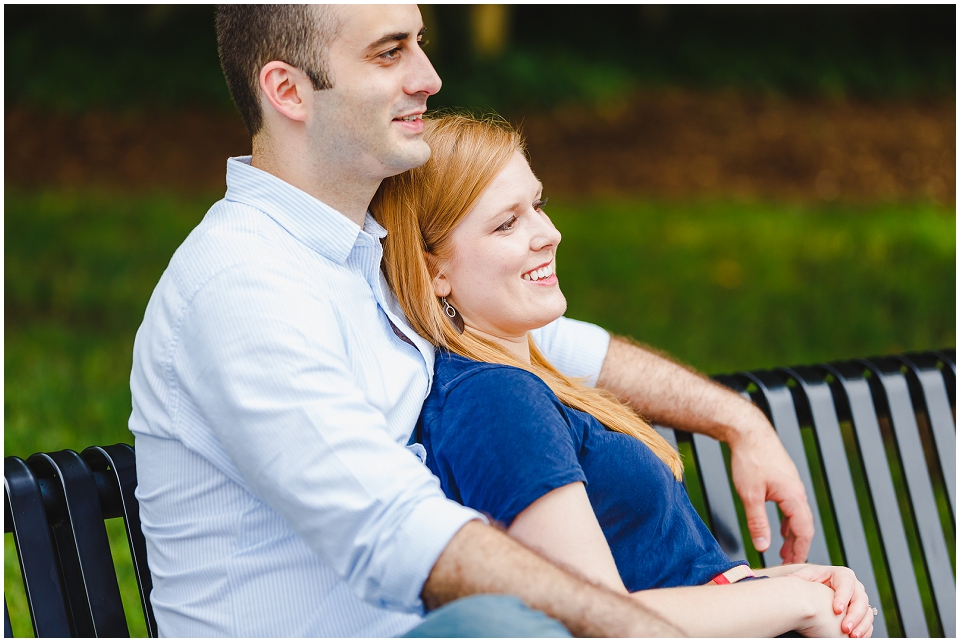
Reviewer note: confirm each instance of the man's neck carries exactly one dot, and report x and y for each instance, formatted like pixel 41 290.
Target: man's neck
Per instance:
pixel 349 195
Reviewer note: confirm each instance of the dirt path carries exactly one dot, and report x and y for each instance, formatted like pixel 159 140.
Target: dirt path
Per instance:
pixel 666 145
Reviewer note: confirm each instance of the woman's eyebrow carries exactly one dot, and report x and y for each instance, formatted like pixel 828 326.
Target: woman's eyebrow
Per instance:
pixel 512 207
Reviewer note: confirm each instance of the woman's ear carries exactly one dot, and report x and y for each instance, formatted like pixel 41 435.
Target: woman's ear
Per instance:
pixel 441 285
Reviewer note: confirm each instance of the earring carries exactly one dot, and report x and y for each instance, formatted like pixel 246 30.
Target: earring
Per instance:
pixel 455 317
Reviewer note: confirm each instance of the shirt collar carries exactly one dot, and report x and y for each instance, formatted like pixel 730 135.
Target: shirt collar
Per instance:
pixel 313 222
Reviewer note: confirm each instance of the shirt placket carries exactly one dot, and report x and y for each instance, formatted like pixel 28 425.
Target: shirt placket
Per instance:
pixel 370 258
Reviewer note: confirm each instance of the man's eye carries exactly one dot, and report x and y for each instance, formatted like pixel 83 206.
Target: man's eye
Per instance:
pixel 506 227
pixel 393 54
pixel 423 43
pixel 540 203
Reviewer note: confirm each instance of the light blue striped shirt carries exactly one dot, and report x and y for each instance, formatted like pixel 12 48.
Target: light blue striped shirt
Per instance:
pixel 272 403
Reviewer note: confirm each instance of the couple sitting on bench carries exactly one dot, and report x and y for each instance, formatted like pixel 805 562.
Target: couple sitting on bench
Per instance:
pixel 278 381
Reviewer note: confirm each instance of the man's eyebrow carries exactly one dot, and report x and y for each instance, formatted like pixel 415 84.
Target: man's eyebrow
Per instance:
pixel 399 36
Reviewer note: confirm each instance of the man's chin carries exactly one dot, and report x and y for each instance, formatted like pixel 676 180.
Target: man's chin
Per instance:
pixel 412 155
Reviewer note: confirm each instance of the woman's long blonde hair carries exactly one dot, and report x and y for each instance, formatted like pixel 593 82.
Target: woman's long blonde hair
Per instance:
pixel 421 208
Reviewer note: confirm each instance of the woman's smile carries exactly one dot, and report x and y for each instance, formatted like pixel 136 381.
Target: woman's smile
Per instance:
pixel 542 274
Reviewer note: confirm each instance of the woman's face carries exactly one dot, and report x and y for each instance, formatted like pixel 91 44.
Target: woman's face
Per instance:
pixel 501 274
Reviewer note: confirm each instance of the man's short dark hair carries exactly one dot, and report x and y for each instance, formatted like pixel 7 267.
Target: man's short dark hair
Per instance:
pixel 251 35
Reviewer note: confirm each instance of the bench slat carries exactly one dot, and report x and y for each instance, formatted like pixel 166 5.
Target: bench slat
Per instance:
pixel 929 390
pixel 95 596
pixel 816 406
pixel 895 400
pixel 949 358
pixel 855 404
pixel 26 518
pixel 118 463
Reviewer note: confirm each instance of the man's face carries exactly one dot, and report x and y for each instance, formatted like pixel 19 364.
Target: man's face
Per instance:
pixel 369 121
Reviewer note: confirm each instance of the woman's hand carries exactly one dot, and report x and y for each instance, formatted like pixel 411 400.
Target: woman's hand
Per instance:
pixel 849 599
pixel 819 620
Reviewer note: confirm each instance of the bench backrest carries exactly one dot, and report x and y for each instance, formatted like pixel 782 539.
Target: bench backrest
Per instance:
pixel 55 504
pixel 874 441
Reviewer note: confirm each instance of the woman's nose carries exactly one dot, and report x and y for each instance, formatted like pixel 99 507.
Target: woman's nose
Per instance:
pixel 546 234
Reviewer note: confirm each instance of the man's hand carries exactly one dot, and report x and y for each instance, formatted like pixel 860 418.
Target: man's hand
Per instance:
pixel 763 471
pixel 673 395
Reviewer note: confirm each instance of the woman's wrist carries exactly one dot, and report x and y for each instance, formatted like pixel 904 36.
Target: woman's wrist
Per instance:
pixel 814 601
pixel 779 571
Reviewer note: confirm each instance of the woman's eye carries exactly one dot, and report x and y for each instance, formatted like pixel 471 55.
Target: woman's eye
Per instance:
pixel 540 203
pixel 506 227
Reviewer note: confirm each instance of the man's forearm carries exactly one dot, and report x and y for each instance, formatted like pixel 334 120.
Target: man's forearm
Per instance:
pixel 481 559
pixel 667 393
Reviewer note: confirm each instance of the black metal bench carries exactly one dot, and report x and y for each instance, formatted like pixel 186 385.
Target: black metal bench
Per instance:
pixel 874 440
pixel 55 505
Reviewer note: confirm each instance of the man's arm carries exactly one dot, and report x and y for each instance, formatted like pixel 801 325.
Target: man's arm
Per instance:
pixel 673 395
pixel 481 559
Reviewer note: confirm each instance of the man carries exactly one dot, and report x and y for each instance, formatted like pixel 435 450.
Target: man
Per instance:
pixel 276 382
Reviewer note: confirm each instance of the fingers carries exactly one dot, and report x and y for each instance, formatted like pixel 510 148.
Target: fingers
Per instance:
pixel 859 615
pixel 844 596
pixel 797 528
pixel 757 522
pixel 864 628
pixel 786 551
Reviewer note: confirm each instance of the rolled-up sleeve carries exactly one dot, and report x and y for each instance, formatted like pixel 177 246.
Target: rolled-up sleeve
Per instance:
pixel 576 348
pixel 263 359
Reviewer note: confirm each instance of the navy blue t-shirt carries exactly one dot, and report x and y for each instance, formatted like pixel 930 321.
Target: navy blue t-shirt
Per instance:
pixel 499 439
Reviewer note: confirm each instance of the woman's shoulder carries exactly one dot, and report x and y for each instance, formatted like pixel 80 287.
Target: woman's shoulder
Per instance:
pixel 455 374
pixel 488 410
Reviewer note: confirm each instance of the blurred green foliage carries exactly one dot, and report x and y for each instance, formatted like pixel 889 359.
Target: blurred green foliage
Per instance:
pixel 591 53
pixel 727 286
pixel 73 57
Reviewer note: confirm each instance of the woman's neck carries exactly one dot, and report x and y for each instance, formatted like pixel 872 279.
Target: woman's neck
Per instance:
pixel 517 346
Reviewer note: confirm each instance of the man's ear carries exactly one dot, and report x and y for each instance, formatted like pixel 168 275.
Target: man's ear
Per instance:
pixel 287 89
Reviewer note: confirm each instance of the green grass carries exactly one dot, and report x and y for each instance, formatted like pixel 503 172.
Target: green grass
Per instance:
pixel 726 286
pixel 721 286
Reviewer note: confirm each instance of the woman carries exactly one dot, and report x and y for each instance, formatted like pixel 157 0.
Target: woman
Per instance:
pixel 569 470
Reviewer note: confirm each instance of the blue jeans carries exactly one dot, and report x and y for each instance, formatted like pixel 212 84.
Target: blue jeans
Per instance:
pixel 488 616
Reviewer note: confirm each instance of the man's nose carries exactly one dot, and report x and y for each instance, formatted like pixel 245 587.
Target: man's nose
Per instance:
pixel 423 77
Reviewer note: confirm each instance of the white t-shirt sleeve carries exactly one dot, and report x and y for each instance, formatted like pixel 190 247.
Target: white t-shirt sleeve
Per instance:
pixel 576 348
